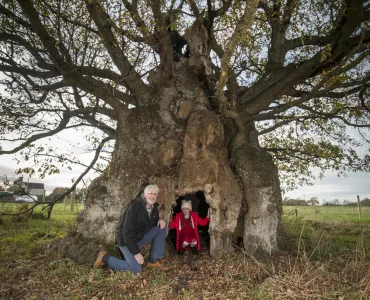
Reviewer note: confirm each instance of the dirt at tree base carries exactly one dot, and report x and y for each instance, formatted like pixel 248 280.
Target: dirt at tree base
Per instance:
pixel 237 276
pixel 79 249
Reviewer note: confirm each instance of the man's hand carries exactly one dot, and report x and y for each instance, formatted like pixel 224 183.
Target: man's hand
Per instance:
pixel 139 258
pixel 161 224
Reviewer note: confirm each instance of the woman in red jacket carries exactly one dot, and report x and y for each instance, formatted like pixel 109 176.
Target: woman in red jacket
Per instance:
pixel 186 224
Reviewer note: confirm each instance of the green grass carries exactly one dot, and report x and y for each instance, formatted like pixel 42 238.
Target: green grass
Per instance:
pixel 23 237
pixel 327 231
pixel 330 214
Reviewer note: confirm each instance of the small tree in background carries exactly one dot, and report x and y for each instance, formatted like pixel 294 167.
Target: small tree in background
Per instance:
pixel 313 201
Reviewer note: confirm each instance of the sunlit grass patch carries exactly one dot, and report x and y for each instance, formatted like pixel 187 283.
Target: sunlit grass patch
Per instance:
pixel 333 214
pixel 24 236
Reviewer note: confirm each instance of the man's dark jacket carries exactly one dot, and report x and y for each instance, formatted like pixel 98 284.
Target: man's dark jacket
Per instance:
pixel 134 223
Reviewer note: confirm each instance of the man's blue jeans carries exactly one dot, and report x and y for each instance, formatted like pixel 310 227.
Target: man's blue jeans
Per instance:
pixel 156 235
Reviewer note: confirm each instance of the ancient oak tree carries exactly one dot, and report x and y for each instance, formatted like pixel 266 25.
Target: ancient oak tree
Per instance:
pixel 218 96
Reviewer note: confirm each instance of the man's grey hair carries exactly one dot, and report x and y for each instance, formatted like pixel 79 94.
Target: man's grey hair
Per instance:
pixel 151 187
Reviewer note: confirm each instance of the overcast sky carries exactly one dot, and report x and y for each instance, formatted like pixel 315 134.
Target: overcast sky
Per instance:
pixel 332 187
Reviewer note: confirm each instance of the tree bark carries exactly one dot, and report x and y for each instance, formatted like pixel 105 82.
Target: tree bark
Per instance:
pixel 178 142
pixel 263 198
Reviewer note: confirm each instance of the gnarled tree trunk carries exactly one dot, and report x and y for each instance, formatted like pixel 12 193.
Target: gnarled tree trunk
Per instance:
pixel 177 139
pixel 181 146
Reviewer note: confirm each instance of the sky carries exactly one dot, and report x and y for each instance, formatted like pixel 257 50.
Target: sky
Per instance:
pixel 334 187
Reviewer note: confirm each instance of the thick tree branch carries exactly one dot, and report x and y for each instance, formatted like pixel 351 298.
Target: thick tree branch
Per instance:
pixel 129 75
pixel 320 41
pixel 223 9
pixel 166 53
pixel 194 7
pixel 281 80
pixel 28 72
pixel 240 30
pixel 69 73
pixel 140 24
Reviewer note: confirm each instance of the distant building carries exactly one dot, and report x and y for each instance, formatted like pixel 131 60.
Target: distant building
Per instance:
pixel 34 188
pixel 31 188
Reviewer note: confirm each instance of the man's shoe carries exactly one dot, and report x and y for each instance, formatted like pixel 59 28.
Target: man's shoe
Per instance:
pixel 98 264
pixel 157 265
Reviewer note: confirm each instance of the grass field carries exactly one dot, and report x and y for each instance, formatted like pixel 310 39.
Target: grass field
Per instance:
pixel 330 214
pixel 326 256
pixel 328 231
pixel 23 237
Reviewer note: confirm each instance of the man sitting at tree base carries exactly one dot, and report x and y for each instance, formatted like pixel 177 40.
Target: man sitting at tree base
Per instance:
pixel 139 225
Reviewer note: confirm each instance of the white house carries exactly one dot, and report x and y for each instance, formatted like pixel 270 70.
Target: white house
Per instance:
pixel 34 188
pixel 31 188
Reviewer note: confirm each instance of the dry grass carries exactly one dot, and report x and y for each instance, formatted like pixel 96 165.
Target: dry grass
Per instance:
pixel 237 276
pixel 339 278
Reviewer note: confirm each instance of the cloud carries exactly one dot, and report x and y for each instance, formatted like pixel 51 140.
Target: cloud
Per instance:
pixel 9 172
pixel 334 187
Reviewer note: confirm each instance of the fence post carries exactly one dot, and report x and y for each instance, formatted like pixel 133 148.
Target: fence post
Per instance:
pixel 43 199
pixel 65 202
pixel 359 206
pixel 73 199
pixel 296 212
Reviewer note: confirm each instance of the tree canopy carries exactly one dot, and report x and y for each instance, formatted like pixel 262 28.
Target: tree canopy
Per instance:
pixel 298 70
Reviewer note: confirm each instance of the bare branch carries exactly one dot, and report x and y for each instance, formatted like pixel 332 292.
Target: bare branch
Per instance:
pixel 333 116
pixel 140 24
pixel 130 76
pixel 62 125
pixel 165 46
pixel 194 7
